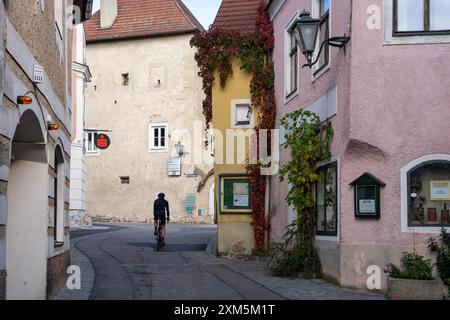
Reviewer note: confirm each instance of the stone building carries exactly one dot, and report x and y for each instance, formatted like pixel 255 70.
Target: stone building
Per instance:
pixel 35 61
pixel 147 97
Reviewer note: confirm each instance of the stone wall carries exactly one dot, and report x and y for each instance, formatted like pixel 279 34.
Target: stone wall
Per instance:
pixel 37 29
pixel 2 284
pixel 56 273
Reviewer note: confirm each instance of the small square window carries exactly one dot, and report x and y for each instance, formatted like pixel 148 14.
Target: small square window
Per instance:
pixel 242 114
pixel 90 146
pixel 125 79
pixel 158 137
pixel 125 180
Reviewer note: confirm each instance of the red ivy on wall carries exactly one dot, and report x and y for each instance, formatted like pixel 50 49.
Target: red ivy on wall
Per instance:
pixel 215 50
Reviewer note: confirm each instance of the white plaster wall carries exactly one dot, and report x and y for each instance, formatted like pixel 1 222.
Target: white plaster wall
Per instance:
pixel 128 111
pixel 2 49
pixel 26 232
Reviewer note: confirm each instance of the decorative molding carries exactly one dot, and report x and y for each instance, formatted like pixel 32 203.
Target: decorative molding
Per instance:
pixel 82 70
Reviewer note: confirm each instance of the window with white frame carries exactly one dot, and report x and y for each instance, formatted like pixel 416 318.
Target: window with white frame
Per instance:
pixel 291 60
pixel 429 194
pixel 419 17
pixel 326 200
pixel 90 146
pixel 322 11
pixel 242 114
pixel 158 137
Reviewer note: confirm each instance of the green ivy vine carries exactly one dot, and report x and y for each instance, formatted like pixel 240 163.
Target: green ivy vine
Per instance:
pixel 308 140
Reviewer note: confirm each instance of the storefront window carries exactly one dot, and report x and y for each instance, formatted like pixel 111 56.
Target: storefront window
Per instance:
pixel 429 194
pixel 326 201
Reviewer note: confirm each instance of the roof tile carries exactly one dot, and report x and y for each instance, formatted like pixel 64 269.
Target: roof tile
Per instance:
pixel 141 18
pixel 237 16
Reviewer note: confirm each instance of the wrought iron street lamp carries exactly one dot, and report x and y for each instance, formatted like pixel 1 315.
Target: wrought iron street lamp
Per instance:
pixel 306 33
pixel 179 149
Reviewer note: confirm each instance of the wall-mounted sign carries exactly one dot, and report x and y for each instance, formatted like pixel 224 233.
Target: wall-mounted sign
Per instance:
pixel 174 167
pixel 190 203
pixel 102 141
pixel 235 195
pixel 440 190
pixel 367 196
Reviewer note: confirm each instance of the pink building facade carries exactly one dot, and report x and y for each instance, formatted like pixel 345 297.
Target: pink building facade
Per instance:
pixel 388 100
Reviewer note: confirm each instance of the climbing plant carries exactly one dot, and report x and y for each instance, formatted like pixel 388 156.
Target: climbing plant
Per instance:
pixel 308 140
pixel 216 50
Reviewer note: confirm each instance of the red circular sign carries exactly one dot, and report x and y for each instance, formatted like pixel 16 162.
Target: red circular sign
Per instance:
pixel 102 141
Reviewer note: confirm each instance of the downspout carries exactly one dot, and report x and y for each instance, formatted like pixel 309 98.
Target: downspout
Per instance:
pixel 267 211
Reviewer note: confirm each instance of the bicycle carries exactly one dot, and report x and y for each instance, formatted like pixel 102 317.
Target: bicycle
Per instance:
pixel 159 239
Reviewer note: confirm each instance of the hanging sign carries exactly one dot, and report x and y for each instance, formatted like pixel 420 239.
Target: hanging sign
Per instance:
pixel 102 141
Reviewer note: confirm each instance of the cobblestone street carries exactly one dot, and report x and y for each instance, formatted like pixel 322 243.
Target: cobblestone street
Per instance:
pixel 120 262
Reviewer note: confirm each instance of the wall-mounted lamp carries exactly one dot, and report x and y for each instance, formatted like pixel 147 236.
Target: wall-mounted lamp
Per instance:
pixel 306 33
pixel 24 100
pixel 179 149
pixel 52 126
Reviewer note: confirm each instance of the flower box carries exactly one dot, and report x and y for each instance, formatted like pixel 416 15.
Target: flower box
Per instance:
pixel 406 289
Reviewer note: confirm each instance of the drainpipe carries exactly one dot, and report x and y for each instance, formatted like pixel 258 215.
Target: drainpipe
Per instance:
pixel 267 210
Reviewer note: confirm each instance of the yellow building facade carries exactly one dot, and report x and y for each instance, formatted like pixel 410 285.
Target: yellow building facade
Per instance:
pixel 233 191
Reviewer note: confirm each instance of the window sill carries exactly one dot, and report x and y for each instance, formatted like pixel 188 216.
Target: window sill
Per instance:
pixel 331 238
pixel 58 244
pixel 291 96
pixel 426 230
pixel 92 154
pixel 158 150
pixel 316 75
pixel 421 33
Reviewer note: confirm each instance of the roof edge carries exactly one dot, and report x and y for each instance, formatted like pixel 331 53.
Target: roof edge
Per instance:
pixel 189 15
pixel 142 36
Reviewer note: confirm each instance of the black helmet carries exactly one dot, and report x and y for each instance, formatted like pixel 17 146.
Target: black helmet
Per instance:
pixel 161 195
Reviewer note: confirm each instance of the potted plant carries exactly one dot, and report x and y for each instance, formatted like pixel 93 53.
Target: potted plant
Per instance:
pixel 442 248
pixel 415 281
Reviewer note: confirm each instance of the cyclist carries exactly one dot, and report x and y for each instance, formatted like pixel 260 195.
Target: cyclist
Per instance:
pixel 160 207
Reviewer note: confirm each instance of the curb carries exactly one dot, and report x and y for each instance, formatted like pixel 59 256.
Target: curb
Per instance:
pixel 211 248
pixel 87 275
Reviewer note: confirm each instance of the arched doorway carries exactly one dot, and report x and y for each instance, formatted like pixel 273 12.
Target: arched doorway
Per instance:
pixel 26 222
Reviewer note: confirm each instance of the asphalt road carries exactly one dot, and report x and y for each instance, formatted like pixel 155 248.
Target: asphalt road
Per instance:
pixel 127 266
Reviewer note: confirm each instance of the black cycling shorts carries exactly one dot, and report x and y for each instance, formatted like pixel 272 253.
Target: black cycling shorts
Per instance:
pixel 161 217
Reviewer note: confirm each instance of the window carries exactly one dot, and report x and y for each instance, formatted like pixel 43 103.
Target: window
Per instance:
pixel 58 208
pixel 90 143
pixel 421 17
pixel 125 79
pixel 235 195
pixel 323 12
pixel 429 194
pixel 291 60
pixel 242 114
pixel 293 65
pixel 326 201
pixel 125 180
pixel 158 137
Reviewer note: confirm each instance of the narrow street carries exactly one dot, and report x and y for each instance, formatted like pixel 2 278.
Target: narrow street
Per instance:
pixel 127 266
